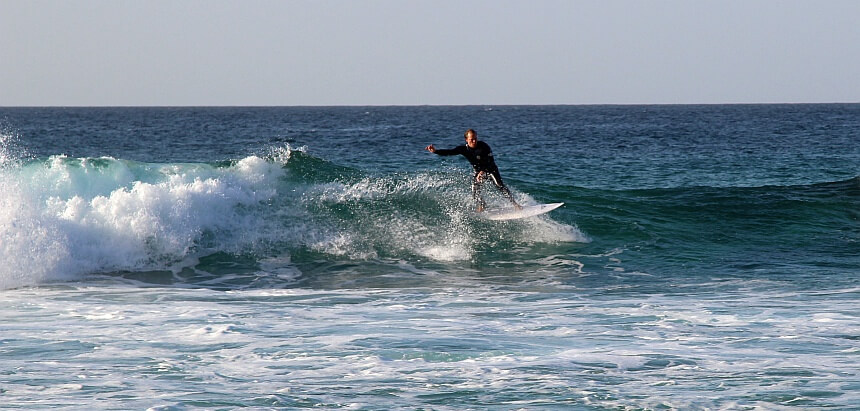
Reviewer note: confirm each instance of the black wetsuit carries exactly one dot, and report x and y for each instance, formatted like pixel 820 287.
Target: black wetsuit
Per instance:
pixel 481 158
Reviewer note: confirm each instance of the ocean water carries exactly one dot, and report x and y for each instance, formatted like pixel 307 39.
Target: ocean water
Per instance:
pixel 707 257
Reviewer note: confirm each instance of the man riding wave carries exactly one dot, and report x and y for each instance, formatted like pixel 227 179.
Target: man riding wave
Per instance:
pixel 480 156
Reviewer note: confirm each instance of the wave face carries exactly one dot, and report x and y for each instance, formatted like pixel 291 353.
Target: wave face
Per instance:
pixel 799 231
pixel 64 217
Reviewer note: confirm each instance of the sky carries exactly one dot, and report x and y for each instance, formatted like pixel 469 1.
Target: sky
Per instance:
pixel 434 52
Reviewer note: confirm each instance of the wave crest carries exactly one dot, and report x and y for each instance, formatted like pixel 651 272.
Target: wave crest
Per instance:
pixel 63 217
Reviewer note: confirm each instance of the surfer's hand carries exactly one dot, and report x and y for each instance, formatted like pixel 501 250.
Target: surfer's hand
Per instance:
pixel 480 176
pixel 430 148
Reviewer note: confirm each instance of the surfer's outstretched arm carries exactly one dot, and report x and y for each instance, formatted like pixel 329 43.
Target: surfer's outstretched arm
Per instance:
pixel 445 152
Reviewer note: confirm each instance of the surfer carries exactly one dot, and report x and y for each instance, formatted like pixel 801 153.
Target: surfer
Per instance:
pixel 480 156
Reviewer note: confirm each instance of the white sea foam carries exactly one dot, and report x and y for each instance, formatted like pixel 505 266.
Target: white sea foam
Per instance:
pixel 66 217
pixel 442 348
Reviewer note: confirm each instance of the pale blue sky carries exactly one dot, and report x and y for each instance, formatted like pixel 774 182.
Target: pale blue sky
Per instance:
pixel 82 53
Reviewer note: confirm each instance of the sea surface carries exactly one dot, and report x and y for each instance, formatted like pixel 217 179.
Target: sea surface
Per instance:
pixel 706 257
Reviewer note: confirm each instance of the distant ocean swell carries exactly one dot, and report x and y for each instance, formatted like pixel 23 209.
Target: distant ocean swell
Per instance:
pixel 64 217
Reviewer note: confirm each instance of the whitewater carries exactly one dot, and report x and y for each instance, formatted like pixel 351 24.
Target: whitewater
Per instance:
pixel 707 257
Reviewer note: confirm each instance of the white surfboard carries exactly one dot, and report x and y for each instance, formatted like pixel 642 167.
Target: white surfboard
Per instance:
pixel 513 214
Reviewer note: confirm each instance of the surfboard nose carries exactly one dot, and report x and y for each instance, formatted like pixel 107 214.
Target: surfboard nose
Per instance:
pixel 524 212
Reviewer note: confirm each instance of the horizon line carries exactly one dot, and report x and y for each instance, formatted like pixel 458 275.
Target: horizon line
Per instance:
pixel 421 105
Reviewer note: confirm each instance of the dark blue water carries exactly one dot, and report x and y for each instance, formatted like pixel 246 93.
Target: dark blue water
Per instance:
pixel 694 243
pixel 637 146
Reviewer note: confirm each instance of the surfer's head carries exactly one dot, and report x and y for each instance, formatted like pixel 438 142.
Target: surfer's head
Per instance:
pixel 471 138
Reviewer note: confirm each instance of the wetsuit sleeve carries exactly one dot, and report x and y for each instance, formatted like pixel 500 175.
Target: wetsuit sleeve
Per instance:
pixel 450 152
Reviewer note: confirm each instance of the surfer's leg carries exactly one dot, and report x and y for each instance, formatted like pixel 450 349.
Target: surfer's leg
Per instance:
pixel 476 194
pixel 497 180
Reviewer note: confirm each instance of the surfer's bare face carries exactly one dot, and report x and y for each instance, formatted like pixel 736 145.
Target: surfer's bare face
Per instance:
pixel 471 140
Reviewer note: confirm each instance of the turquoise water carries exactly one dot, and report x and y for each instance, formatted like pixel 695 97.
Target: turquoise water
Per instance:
pixel 182 258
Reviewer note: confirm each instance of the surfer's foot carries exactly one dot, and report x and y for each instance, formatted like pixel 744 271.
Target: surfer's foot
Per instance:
pixel 517 206
pixel 480 209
